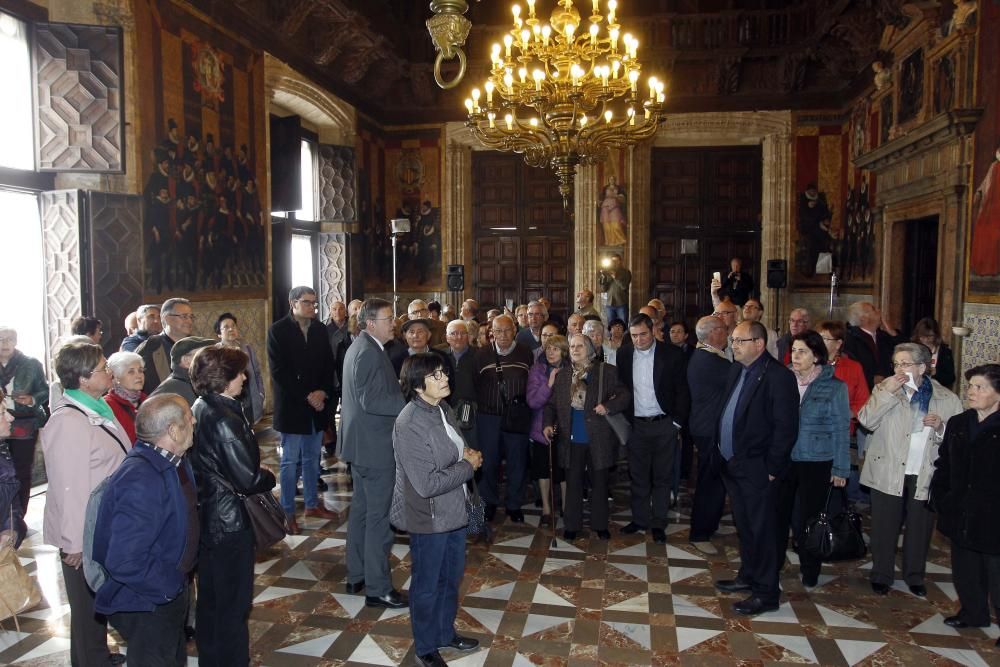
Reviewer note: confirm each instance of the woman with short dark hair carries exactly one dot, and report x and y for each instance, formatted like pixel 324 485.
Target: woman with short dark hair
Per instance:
pixel 82 444
pixel 227 329
pixel 428 500
pixel 226 460
pixel 966 496
pixel 927 332
pixel 89 327
pixel 821 455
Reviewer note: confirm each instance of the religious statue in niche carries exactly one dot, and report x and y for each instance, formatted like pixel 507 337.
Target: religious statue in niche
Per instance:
pixel 857 248
pixel 814 251
pixel 203 222
pixel 612 214
pixel 984 260
pixel 911 86
pixel 944 85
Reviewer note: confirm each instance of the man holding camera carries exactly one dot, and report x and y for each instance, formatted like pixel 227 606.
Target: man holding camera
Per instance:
pixel 615 280
pixel 504 416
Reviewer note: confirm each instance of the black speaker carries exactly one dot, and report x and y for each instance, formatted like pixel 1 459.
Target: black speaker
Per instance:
pixel 456 277
pixel 777 273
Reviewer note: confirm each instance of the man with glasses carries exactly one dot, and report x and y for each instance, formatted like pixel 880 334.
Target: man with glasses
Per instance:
pixel 504 416
pixel 753 311
pixel 798 321
pixel 757 430
pixel 148 319
pixel 372 399
pixel 178 322
pixel 726 311
pixel 303 378
pixel 531 336
pixel 419 310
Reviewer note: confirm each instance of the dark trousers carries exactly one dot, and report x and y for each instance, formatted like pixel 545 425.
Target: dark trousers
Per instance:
pixel 225 598
pixel 889 515
pixel 977 582
pixel 710 494
pixel 497 445
pixel 651 450
pixel 88 631
pixel 22 454
pixel 576 474
pixel 801 491
pixel 369 535
pixel 155 638
pixel 753 501
pixel 438 562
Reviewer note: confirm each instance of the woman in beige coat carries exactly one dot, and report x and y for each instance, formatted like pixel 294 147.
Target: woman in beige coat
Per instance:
pixel 906 415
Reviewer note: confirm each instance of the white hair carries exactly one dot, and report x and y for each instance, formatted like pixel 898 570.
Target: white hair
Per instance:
pixel 119 362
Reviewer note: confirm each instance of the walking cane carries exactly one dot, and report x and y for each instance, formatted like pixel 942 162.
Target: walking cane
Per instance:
pixel 552 487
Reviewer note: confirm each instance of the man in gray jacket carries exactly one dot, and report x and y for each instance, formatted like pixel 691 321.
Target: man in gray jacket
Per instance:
pixel 371 400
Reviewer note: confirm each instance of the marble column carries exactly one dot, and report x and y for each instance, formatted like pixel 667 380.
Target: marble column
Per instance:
pixel 585 260
pixel 637 259
pixel 776 206
pixel 456 212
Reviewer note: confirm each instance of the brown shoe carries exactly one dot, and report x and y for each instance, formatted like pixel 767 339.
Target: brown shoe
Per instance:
pixel 320 513
pixel 293 526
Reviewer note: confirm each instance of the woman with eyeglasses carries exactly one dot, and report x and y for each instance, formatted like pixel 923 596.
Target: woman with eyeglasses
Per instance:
pixel 906 414
pixel 82 444
pixel 228 331
pixel 433 465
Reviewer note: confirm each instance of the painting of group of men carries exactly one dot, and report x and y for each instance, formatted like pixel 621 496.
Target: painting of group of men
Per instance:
pixel 203 223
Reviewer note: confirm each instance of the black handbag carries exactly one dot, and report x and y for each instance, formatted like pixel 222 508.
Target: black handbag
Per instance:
pixel 267 518
pixel 477 513
pixel 835 538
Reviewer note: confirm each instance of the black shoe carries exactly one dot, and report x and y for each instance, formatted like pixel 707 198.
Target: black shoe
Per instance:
pixel 880 589
pixel 957 622
pixel 490 511
pixel 431 660
pixel 753 605
pixel 189 633
pixel 391 600
pixel 810 580
pixel 632 527
pixel 117 659
pixel 919 590
pixel 460 643
pixel 659 536
pixel 569 535
pixel 516 516
pixel 355 588
pixel 732 585
pixel 604 534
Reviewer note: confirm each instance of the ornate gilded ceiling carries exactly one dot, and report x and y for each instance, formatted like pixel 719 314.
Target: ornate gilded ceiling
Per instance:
pixel 717 55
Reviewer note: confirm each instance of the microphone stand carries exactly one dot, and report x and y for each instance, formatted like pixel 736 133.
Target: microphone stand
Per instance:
pixel 833 293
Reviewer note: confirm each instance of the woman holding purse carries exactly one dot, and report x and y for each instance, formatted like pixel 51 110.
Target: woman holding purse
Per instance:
pixel 585 440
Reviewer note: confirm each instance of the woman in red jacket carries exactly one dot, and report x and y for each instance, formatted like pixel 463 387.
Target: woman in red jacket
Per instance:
pixel 126 395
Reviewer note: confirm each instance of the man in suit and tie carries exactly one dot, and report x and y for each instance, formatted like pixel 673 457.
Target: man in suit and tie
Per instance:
pixel 371 401
pixel 707 372
pixel 870 342
pixel 757 430
pixel 655 373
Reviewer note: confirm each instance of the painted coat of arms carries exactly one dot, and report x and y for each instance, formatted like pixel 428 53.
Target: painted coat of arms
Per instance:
pixel 208 72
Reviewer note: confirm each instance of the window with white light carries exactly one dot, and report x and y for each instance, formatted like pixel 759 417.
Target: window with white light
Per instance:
pixel 16 137
pixel 23 297
pixel 302 261
pixel 308 171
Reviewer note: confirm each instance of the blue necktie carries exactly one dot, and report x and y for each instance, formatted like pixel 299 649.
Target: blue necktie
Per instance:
pixel 728 417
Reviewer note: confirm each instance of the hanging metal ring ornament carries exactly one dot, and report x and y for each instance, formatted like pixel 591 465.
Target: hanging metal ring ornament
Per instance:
pixel 448 29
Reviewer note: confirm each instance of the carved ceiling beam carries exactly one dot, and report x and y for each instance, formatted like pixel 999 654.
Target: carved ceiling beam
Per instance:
pixel 297 13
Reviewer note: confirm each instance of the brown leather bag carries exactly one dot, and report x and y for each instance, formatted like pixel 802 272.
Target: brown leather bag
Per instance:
pixel 18 591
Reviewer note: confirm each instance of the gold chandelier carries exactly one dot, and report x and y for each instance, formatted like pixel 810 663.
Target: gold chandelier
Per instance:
pixel 561 95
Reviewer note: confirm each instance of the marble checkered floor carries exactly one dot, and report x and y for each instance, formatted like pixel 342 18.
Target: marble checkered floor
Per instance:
pixel 623 602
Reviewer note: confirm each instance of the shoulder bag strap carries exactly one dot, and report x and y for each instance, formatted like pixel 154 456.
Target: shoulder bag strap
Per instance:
pixel 103 427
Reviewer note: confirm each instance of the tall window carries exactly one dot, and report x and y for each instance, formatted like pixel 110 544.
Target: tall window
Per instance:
pixel 308 167
pixel 23 294
pixel 16 150
pixel 302 261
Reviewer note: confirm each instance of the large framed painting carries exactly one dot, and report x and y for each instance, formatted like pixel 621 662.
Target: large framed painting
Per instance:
pixel 205 216
pixel 911 87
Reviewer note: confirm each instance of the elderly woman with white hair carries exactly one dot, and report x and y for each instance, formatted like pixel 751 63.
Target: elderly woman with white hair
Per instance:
pixel 575 417
pixel 906 414
pixel 126 395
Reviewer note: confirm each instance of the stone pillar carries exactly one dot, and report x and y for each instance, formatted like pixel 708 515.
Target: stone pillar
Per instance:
pixel 456 210
pixel 637 259
pixel 332 271
pixel 586 257
pixel 776 206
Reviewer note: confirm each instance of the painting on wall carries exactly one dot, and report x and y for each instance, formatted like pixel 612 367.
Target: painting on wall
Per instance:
pixel 612 204
pixel 911 86
pixel 412 191
pixel 944 84
pixel 984 254
pixel 204 225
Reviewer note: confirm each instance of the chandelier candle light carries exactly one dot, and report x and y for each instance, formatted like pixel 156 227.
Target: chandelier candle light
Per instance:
pixel 561 95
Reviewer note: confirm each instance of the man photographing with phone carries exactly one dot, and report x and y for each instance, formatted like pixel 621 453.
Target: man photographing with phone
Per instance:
pixel 614 279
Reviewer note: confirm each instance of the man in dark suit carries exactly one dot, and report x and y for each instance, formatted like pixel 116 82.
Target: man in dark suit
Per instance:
pixel 870 342
pixel 340 338
pixel 757 430
pixel 655 373
pixel 707 372
pixel 798 321
pixel 302 378
pixel 372 400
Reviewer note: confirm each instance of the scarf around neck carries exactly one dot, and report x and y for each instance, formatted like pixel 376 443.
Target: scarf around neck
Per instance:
pixel 922 396
pixel 98 405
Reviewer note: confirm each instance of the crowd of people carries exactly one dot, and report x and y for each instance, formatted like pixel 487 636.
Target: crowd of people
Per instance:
pixel 433 412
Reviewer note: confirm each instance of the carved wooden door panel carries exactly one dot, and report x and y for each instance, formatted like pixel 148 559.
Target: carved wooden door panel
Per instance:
pixel 79 101
pixel 705 210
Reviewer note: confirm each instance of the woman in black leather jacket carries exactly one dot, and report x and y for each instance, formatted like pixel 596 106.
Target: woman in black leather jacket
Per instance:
pixel 226 461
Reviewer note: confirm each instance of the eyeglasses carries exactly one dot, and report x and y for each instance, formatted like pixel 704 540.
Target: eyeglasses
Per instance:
pixel 904 364
pixel 100 370
pixel 419 310
pixel 724 313
pixel 307 302
pixel 798 321
pixel 502 331
pixel 741 341
pixel 381 319
pixel 829 339
pixel 190 317
pixel 437 375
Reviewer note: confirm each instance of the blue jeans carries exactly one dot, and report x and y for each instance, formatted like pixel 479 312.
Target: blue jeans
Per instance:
pixel 299 450
pixel 621 312
pixel 497 445
pixel 438 563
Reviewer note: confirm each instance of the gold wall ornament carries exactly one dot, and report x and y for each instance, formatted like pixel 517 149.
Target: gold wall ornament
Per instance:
pixel 561 95
pixel 449 28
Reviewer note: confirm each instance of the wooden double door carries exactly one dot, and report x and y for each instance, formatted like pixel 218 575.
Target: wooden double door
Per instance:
pixel 522 235
pixel 705 210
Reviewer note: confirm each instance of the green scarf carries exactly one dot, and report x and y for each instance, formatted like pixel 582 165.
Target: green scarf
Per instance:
pixel 96 404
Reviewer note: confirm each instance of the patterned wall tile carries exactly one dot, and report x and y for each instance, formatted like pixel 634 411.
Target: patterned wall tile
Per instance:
pixel 337 200
pixel 983 344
